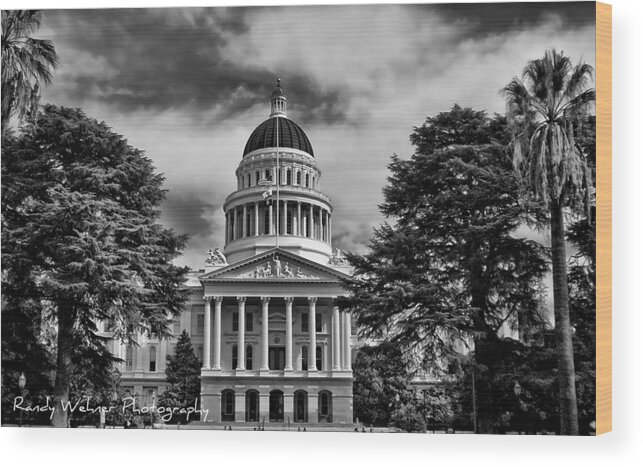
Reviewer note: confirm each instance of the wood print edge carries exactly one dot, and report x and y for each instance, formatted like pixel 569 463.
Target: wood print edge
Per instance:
pixel 603 218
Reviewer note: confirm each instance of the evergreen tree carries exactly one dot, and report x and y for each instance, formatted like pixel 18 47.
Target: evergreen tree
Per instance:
pixel 450 269
pixel 381 384
pixel 183 373
pixel 80 242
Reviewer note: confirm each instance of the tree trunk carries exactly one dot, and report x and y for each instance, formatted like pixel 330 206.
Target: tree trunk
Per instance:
pixel 63 365
pixel 564 348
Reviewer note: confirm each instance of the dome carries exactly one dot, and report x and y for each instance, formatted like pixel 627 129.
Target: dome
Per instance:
pixel 290 136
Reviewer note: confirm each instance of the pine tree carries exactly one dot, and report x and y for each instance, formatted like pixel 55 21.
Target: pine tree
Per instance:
pixel 80 241
pixel 450 269
pixel 183 373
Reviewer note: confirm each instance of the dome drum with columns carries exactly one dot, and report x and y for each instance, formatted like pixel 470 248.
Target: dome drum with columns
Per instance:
pixel 301 217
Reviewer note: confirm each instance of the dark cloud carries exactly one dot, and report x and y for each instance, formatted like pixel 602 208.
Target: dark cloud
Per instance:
pixel 160 59
pixel 189 213
pixel 483 19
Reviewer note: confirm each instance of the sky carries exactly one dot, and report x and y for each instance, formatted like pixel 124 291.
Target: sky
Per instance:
pixel 188 86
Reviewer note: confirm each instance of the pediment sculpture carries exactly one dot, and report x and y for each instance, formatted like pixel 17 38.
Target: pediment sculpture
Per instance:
pixel 338 259
pixel 215 257
pixel 276 268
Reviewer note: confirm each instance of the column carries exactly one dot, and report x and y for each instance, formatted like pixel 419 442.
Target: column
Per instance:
pixel 299 218
pixel 284 222
pixel 217 333
pixel 330 229
pixel 311 230
pixel 347 341
pixel 312 327
pixel 321 224
pixel 244 222
pixel 256 219
pixel 265 302
pixel 206 333
pixel 241 341
pixel 272 227
pixel 336 340
pixel 288 366
pixel 342 341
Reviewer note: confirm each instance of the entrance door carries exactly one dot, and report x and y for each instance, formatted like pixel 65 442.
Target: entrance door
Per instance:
pixel 252 406
pixel 277 358
pixel 276 406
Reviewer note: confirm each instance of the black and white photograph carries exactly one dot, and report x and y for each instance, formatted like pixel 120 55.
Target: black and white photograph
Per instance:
pixel 318 218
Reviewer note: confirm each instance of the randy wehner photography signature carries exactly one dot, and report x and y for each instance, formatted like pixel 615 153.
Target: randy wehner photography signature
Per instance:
pixel 165 413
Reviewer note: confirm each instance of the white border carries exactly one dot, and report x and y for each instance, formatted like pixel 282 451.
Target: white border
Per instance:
pixel 28 447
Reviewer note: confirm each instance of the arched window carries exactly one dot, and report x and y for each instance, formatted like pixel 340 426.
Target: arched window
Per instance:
pixel 252 406
pixel 304 358
pixel 235 356
pixel 276 406
pixel 307 180
pixel 249 357
pixel 152 358
pixel 325 409
pixel 288 177
pixel 312 184
pixel 299 177
pixel 318 358
pixel 301 406
pixel 227 405
pixel 249 180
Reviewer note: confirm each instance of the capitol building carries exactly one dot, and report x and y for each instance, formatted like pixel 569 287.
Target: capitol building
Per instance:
pixel 262 315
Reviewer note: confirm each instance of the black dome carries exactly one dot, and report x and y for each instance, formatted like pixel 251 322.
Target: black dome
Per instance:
pixel 290 136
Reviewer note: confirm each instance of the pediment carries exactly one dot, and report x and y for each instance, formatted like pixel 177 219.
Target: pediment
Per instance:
pixel 275 265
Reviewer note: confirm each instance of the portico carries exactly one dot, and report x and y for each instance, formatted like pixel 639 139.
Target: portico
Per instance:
pixel 275 342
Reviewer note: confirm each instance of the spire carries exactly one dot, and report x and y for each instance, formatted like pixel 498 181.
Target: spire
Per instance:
pixel 278 101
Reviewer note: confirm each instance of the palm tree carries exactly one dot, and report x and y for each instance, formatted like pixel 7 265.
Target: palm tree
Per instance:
pixel 26 62
pixel 545 109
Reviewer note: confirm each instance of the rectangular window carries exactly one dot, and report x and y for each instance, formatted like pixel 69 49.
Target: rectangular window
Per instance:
pixel 177 326
pixel 318 358
pixel 235 321
pixel 200 324
pixel 304 358
pixel 235 356
pixel 249 357
pixel 152 351
pixel 353 328
pixel 249 321
pixel 129 358
pixel 318 322
pixel 304 321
